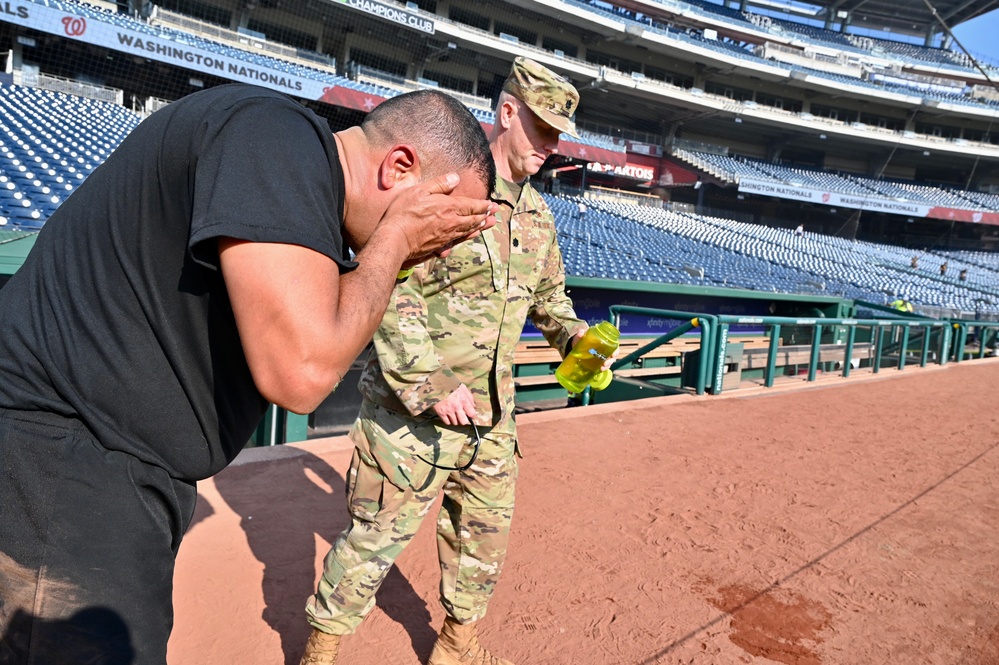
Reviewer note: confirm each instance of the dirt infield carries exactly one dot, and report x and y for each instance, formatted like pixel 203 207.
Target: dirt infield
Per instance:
pixel 852 524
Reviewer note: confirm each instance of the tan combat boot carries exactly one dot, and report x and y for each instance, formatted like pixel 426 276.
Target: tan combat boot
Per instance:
pixel 459 645
pixel 321 649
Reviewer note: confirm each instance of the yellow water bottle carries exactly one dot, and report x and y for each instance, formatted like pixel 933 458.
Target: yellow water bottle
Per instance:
pixel 582 367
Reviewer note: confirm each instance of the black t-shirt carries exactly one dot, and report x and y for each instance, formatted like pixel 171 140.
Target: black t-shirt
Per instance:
pixel 120 316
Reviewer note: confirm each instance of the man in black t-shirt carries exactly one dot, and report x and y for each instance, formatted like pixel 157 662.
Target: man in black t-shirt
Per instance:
pixel 197 275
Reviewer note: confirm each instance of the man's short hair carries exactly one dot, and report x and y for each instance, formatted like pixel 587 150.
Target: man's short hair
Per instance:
pixel 445 133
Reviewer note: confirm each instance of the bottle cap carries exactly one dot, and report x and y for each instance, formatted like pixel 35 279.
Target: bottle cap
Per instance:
pixel 602 379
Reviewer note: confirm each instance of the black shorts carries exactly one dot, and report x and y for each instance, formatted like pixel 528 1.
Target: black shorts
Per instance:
pixel 88 539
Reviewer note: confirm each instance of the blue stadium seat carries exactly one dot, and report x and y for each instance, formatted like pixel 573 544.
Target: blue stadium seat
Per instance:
pixel 49 143
pixel 623 241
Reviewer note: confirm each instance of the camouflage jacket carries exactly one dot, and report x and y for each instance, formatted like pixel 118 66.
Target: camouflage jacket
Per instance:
pixel 458 320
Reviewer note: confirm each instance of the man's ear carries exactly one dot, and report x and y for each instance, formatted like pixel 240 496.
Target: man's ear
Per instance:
pixel 507 112
pixel 401 164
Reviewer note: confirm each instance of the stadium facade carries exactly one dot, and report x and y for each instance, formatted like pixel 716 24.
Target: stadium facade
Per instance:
pixel 729 109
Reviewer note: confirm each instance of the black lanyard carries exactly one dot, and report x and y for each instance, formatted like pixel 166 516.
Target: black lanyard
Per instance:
pixel 475 453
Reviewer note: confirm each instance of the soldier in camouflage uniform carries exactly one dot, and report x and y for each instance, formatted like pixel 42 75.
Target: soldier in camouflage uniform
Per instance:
pixel 443 360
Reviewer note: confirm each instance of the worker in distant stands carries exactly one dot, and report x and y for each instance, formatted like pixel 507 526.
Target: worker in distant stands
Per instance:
pixel 902 304
pixel 943 269
pixel 799 230
pixel 581 210
pixel 914 263
pixel 963 275
pixel 438 408
pixel 201 272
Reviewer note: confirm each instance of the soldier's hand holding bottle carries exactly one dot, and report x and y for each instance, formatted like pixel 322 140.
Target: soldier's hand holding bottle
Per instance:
pixel 588 362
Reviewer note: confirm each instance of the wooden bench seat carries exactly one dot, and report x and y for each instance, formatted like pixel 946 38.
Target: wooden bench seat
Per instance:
pixel 802 355
pixel 670 370
pixel 537 380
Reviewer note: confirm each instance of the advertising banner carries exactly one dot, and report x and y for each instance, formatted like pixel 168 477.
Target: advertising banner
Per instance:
pixel 351 99
pixel 394 14
pixel 873 202
pixel 671 174
pixel 171 49
pixel 590 153
pixel 647 170
pixel 629 170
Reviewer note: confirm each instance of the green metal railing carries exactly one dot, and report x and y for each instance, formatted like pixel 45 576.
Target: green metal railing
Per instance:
pixel 906 336
pixel 891 335
pixel 986 332
pixel 706 323
pixel 883 331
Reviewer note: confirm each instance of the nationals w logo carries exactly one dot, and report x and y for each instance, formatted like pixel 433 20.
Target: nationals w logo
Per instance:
pixel 74 25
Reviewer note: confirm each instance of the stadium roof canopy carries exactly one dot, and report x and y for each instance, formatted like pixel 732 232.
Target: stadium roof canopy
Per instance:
pixel 907 16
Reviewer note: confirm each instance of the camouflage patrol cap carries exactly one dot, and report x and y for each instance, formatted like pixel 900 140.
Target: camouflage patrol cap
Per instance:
pixel 550 96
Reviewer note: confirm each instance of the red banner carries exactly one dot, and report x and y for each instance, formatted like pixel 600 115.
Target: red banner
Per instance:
pixel 590 153
pixel 352 99
pixel 671 174
pixel 643 174
pixel 958 215
pixel 587 153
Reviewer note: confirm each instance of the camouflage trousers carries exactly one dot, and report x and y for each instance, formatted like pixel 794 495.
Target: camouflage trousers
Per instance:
pixel 389 492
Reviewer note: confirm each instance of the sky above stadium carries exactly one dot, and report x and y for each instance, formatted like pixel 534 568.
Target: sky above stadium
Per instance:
pixel 979 36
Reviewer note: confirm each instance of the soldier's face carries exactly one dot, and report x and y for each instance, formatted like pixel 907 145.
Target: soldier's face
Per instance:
pixel 533 141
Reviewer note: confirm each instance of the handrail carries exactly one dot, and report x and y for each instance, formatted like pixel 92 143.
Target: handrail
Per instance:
pixel 706 323
pixel 878 326
pixel 963 327
pixel 887 334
